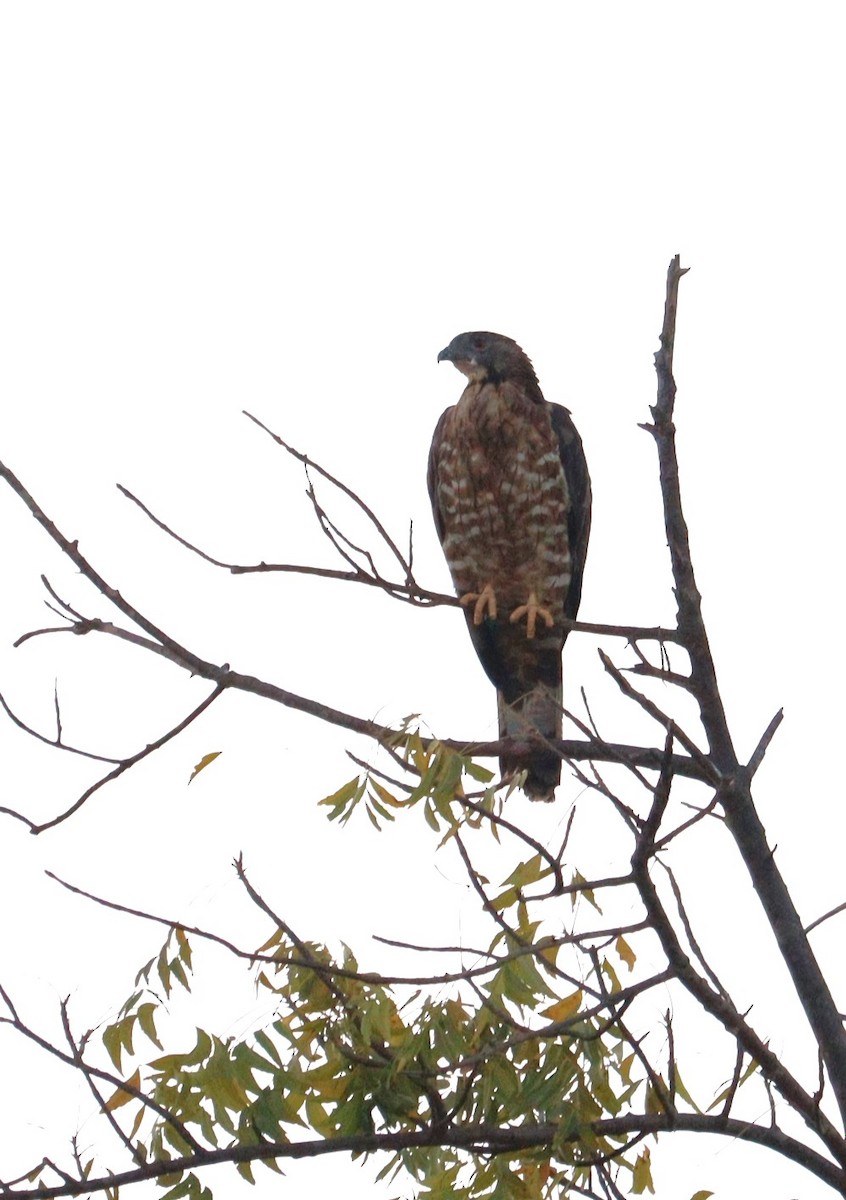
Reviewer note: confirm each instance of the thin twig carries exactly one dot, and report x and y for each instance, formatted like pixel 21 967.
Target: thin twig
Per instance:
pixel 127 763
pixel 98 1073
pixel 342 487
pixel 56 743
pixel 832 912
pixel 763 745
pixel 95 1091
pixel 661 717
pixel 734 1084
pixel 329 969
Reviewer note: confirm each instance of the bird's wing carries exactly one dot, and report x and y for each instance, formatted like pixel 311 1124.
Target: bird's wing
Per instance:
pixel 578 483
pixel 432 474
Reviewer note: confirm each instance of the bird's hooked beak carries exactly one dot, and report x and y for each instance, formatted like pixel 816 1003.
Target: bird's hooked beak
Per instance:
pixel 463 361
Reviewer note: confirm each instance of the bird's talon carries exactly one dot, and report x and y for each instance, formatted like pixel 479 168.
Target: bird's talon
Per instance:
pixel 531 610
pixel 484 603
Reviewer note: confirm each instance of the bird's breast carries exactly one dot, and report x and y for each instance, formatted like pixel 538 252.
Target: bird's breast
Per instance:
pixel 503 494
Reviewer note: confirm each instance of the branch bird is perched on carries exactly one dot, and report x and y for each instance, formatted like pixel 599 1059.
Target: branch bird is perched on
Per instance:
pixel 511 496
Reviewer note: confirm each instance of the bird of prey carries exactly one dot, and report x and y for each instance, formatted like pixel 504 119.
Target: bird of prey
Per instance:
pixel 511 497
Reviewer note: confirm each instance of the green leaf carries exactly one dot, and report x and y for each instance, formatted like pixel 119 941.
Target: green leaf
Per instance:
pixel 684 1093
pixel 144 973
pixel 268 1046
pixel 317 1118
pixel 477 771
pixel 656 1097
pixel 131 1002
pixel 176 1062
pixel 176 969
pixel 344 800
pixel 431 819
pixel 113 1042
pixel 579 881
pixel 182 1189
pixel 163 967
pixel 146 1019
pixel 726 1092
pixel 136 1125
pixel 383 812
pixel 527 872
pixel 642 1181
pixel 506 899
pixel 127 1028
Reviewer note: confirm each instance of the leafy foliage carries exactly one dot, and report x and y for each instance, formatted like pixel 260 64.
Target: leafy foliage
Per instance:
pixel 506 1045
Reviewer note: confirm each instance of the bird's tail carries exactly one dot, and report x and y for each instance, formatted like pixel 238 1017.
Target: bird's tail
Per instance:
pixel 537 713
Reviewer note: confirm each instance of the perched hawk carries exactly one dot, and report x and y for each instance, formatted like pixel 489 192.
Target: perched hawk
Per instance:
pixel 511 496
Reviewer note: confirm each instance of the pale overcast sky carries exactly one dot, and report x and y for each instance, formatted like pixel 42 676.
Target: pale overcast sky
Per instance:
pixel 291 208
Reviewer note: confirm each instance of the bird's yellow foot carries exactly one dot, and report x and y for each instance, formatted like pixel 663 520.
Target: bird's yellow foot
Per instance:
pixel 484 603
pixel 531 610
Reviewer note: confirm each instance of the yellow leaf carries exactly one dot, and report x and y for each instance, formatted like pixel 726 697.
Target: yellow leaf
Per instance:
pixel 549 953
pixel 120 1097
pixel 703 1195
pixel 625 952
pixel 562 1009
pixel 384 795
pixel 274 940
pixel 204 762
pixel 626 1068
pixel 612 975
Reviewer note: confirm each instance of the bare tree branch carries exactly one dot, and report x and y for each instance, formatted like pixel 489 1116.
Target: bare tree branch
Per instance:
pixel 718 1005
pixel 480 1139
pixel 741 817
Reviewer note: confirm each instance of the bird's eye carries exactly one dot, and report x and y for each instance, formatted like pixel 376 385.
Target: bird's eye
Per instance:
pixel 479 343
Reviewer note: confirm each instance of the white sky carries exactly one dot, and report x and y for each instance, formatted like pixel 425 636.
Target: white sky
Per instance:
pixel 291 209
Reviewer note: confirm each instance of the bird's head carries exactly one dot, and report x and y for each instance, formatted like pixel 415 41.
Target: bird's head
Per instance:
pixel 488 357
